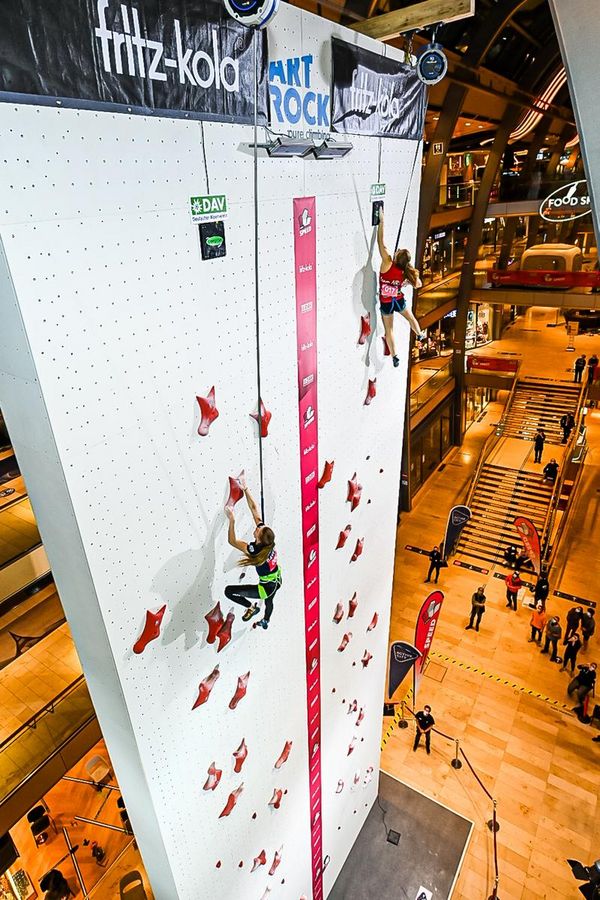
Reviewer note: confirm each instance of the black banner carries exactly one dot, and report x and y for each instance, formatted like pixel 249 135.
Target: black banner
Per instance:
pixel 184 58
pixel 457 519
pixel 374 95
pixel 402 658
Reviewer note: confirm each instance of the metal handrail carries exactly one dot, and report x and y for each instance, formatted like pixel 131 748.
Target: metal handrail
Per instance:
pixel 48 708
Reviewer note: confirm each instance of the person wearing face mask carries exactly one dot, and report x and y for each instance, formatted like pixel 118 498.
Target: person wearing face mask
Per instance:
pixel 584 682
pixel 574 617
pixel 553 636
pixel 538 623
pixel 573 646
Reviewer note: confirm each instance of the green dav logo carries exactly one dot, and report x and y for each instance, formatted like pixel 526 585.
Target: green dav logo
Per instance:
pixel 215 240
pixel 209 208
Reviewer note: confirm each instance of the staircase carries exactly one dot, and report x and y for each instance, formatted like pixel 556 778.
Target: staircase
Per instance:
pixel 540 404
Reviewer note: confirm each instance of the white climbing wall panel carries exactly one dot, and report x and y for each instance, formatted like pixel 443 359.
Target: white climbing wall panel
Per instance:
pixel 112 324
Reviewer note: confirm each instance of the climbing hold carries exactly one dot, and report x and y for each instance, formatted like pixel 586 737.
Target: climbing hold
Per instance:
pixel 236 490
pixel 351 746
pixel 275 800
pixel 343 537
pixel 284 754
pixel 353 603
pixel 218 864
pixel 215 622
pixel 276 861
pixel 354 493
pixel 240 756
pixel 374 622
pixel 367 657
pixel 231 801
pixel 356 778
pixel 386 349
pixel 365 328
pixel 340 787
pixel 327 473
pixel 339 613
pixel 357 550
pixel 361 716
pixel 240 691
pixel 151 629
pixel 206 687
pixel 214 777
pixel 345 641
pixel 371 391
pixel 368 775
pixel 265 418
pixel 208 412
pixel 260 860
pixel 224 633
pixel 352 707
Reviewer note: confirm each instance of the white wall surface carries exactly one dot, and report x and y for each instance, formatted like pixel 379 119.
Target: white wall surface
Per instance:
pixel 113 325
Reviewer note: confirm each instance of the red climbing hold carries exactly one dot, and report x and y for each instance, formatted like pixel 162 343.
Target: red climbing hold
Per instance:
pixel 284 754
pixel 351 746
pixel 352 706
pixel 374 622
pixel 240 691
pixel 361 716
pixel 365 328
pixel 345 641
pixel 236 490
pixel 343 537
pixel 214 777
pixel 339 613
pixel 275 800
pixel 231 801
pixel 276 861
pixel 353 603
pixel 208 412
pixel 327 473
pixel 367 657
pixel 240 756
pixel 357 550
pixel 206 687
pixel 354 493
pixel 260 860
pixel 151 629
pixel 265 418
pixel 215 621
pixel 386 349
pixel 224 635
pixel 371 391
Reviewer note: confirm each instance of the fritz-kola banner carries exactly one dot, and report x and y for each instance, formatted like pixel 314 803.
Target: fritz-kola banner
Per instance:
pixel 169 57
pixel 375 95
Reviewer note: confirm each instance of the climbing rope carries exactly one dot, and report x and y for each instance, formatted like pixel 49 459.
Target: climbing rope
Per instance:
pixel 412 172
pixel 256 273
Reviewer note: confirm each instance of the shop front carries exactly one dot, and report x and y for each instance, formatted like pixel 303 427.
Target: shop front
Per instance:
pixel 429 444
pixel 480 325
pixel 477 398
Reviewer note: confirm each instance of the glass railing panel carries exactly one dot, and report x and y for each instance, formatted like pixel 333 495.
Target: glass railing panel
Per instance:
pixel 421 395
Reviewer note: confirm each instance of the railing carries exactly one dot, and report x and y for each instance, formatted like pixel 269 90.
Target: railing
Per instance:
pixel 514 188
pixel 421 395
pixel 43 735
pixel 462 193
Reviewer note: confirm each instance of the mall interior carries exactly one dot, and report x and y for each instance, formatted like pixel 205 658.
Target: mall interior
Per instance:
pixel 153 347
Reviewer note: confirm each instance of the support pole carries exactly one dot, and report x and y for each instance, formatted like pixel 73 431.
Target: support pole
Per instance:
pixel 456 763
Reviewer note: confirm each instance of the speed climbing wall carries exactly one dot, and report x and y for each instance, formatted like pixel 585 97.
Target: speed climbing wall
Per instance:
pixel 119 347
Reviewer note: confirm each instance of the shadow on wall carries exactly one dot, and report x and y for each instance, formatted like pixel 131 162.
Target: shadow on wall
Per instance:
pixel 364 283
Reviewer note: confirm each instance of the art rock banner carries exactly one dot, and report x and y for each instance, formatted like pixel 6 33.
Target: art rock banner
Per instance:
pixel 424 631
pixel 305 266
pixel 375 95
pixel 167 57
pixel 457 519
pixel 531 540
pixel 402 658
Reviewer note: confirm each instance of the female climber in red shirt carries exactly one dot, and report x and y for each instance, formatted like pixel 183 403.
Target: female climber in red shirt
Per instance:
pixel 394 273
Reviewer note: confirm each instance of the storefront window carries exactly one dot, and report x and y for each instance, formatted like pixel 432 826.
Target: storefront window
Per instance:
pixel 429 444
pixel 437 339
pixel 479 325
pixel 477 400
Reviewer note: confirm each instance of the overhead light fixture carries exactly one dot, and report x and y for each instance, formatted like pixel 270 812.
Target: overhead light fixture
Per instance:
pixel 281 148
pixel 331 150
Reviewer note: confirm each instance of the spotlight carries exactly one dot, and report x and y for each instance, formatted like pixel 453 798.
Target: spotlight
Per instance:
pixel 589 874
pixel 281 147
pixel 432 64
pixel 332 150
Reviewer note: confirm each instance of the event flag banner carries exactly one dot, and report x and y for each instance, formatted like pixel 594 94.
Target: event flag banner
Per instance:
pixel 375 95
pixel 424 631
pixel 531 540
pixel 185 58
pixel 457 519
pixel 402 657
pixel 305 266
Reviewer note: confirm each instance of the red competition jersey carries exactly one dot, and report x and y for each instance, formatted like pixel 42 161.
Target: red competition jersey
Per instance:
pixel 390 283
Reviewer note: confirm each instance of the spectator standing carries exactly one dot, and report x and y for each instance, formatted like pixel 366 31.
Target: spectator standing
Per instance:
pixel 580 364
pixel 513 585
pixel 584 682
pixel 574 617
pixel 435 563
pixel 567 423
pixel 538 623
pixel 588 626
pixel 538 445
pixel 477 609
pixel 553 636
pixel 592 363
pixel 571 650
pixel 424 722
pixel 510 555
pixel 542 589
pixel 551 471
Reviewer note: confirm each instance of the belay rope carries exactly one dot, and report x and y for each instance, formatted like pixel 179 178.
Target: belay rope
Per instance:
pixel 412 172
pixel 256 271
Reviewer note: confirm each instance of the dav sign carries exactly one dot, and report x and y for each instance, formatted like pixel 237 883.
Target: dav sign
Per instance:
pixel 294 102
pixel 208 209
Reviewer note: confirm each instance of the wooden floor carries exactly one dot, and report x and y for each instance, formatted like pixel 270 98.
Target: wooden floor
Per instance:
pixel 533 756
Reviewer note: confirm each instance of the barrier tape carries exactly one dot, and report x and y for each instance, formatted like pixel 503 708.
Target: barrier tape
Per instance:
pixel 397 716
